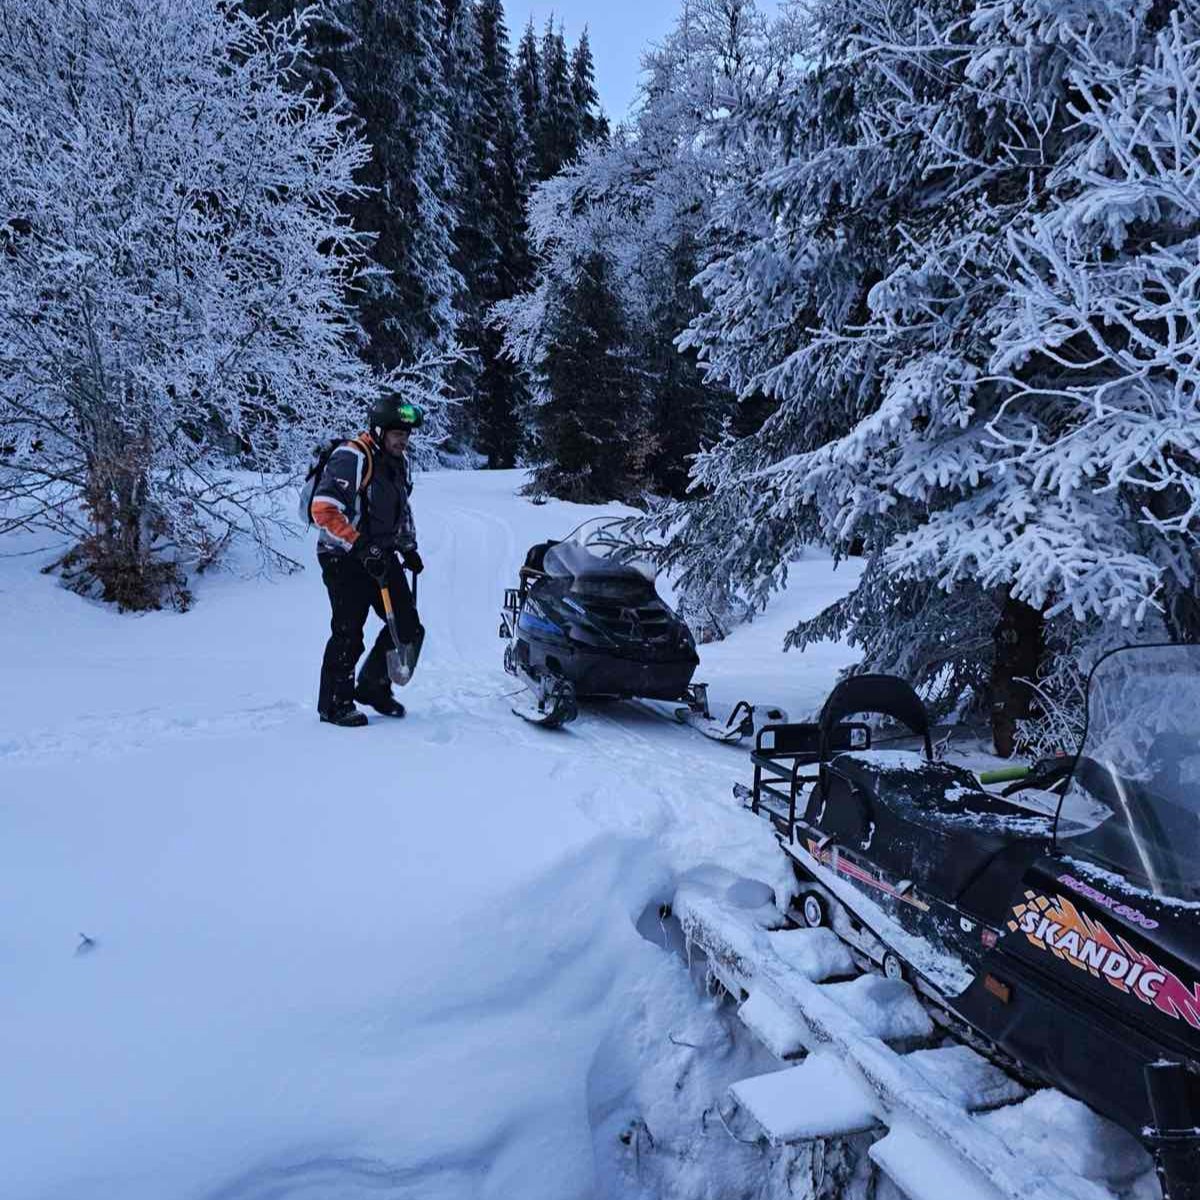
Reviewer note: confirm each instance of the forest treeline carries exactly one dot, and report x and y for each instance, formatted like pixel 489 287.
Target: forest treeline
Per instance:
pixel 914 282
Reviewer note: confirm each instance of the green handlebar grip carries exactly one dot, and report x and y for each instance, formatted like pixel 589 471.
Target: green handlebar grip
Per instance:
pixel 1003 774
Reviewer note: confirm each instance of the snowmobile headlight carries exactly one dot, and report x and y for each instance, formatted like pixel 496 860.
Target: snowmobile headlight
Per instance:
pixel 589 635
pixel 536 619
pixel 581 624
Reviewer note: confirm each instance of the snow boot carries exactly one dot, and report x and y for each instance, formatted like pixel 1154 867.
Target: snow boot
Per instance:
pixel 381 701
pixel 347 715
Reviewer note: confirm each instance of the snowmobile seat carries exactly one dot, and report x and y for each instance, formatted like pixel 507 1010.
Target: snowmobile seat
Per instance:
pixel 927 821
pixel 888 695
pixel 534 567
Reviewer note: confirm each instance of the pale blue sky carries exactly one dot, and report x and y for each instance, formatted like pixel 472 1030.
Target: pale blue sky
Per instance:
pixel 619 30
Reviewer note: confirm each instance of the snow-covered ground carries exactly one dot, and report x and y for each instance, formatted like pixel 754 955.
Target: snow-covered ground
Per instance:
pixel 338 963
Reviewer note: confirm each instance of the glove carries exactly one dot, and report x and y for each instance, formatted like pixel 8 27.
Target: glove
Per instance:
pixel 412 560
pixel 375 557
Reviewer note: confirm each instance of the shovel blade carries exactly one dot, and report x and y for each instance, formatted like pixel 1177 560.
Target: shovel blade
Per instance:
pixel 399 672
pixel 402 662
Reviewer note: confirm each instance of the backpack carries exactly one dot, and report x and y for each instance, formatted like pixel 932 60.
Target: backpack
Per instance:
pixel 316 468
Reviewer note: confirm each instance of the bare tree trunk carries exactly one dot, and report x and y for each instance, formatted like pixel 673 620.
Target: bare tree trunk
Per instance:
pixel 116 562
pixel 1183 616
pixel 1018 638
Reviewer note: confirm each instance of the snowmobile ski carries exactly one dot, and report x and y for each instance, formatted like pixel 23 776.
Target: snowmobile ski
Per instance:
pixel 548 702
pixel 742 722
pixel 719 731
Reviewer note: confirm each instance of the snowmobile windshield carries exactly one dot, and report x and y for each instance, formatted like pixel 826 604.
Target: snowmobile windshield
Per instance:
pixel 601 562
pixel 1139 769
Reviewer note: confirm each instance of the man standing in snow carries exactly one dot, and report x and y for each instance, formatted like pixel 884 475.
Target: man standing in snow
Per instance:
pixel 361 505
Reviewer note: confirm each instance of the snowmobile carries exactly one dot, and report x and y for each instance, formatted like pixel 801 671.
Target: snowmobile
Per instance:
pixel 587 622
pixel 1063 930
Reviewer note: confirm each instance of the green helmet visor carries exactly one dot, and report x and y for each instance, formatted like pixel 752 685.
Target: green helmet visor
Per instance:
pixel 409 416
pixel 390 415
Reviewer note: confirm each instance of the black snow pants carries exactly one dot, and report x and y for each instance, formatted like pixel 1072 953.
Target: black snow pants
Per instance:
pixel 352 595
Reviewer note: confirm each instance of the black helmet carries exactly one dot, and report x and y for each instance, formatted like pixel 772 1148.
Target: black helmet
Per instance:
pixel 393 413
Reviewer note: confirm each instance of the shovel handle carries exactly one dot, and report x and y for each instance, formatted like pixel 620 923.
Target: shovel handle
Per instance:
pixel 387 599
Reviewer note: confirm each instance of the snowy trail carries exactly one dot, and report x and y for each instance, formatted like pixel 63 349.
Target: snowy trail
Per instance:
pixel 334 962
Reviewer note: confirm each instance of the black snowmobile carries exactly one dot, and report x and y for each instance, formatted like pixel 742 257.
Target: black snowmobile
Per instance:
pixel 1065 930
pixel 587 622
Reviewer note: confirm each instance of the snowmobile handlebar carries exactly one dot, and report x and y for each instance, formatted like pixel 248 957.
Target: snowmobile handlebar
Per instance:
pixel 1045 774
pixel 1004 774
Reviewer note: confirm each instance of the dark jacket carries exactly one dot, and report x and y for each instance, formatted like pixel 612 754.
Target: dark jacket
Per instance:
pixel 345 510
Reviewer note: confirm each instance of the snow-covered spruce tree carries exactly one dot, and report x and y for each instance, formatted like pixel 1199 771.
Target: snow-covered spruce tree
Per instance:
pixel 460 68
pixel 501 252
pixel 589 406
pixel 619 203
pixel 801 239
pixel 671 171
pixel 460 52
pixel 394 76
pixel 173 277
pixel 527 77
pixel 875 298
pixel 593 124
pixel 647 196
pixel 558 130
pixel 570 115
pixel 1096 349
pixel 1048 490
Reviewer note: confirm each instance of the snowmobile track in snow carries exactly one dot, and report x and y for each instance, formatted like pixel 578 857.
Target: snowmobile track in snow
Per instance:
pixel 864 1070
pixel 109 736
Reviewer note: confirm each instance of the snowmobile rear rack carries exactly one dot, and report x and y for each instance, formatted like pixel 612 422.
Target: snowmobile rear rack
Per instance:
pixel 780 754
pixel 509 612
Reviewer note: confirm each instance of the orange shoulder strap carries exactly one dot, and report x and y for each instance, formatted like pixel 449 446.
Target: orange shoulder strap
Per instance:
pixel 364 445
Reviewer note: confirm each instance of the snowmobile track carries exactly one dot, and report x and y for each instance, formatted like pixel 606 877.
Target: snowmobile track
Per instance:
pixel 931 1116
pixel 145 729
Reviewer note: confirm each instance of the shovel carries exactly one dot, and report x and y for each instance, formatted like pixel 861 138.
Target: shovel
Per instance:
pixel 401 662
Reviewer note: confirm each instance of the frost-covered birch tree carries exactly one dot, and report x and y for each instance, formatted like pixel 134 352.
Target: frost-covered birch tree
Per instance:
pixel 174 268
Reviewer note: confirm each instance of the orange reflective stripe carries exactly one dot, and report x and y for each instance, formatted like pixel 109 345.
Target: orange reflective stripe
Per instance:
pixel 329 515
